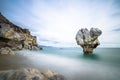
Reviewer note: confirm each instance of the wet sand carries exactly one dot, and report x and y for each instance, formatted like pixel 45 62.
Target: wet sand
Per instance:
pixel 14 62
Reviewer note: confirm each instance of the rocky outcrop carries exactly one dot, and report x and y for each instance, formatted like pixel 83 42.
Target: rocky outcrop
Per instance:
pixel 88 40
pixel 29 74
pixel 6 50
pixel 15 37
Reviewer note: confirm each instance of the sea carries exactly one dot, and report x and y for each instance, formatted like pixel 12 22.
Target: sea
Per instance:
pixel 103 64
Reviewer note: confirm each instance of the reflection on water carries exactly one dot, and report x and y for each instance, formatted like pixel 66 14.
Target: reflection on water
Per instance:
pixel 104 64
pixel 91 56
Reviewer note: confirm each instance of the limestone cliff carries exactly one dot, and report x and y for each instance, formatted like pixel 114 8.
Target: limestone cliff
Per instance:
pixel 88 40
pixel 15 37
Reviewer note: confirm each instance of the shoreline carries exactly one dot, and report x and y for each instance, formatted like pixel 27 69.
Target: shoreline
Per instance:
pixel 13 62
pixel 18 66
pixel 69 62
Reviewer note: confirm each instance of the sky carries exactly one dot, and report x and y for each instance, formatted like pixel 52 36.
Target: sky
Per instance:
pixel 56 22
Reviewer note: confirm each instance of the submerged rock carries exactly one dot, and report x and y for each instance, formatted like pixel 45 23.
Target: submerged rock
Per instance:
pixel 29 74
pixel 15 37
pixel 88 40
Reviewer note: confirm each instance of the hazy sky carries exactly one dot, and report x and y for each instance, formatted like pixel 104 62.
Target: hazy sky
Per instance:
pixel 56 22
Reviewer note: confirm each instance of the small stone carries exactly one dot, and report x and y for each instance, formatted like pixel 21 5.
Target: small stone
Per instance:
pixel 36 78
pixel 49 73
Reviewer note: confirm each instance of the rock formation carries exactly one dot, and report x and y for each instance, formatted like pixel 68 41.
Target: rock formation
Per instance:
pixel 88 40
pixel 15 37
pixel 6 50
pixel 29 74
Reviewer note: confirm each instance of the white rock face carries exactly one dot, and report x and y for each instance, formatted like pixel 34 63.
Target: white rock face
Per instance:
pixel 88 40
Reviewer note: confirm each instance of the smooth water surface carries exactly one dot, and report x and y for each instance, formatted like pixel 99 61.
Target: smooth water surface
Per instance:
pixel 103 64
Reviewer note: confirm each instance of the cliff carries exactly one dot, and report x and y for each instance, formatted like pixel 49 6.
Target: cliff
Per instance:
pixel 15 37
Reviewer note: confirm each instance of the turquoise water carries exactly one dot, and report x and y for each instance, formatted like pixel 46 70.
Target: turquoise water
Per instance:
pixel 103 64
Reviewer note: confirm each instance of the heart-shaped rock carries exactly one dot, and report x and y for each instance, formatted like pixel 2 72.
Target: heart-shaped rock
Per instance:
pixel 88 40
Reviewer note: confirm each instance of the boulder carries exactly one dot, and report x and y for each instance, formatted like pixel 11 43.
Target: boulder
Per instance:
pixel 88 40
pixel 29 74
pixel 49 73
pixel 6 50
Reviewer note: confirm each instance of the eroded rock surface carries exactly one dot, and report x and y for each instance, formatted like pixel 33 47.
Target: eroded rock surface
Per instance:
pixel 29 74
pixel 15 37
pixel 6 50
pixel 88 40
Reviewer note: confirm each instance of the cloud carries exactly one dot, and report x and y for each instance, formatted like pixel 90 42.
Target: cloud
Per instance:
pixel 117 29
pixel 117 3
pixel 56 22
